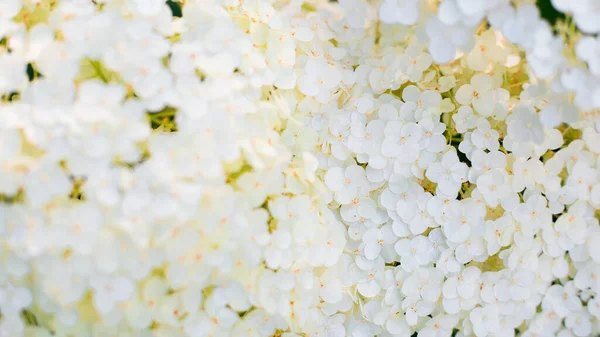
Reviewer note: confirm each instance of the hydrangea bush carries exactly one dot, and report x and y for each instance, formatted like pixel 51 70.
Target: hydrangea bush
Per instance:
pixel 295 168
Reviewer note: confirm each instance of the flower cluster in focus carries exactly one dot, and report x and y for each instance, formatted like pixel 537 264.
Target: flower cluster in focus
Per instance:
pixel 296 168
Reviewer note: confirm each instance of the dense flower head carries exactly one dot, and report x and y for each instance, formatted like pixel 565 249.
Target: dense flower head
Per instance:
pixel 299 168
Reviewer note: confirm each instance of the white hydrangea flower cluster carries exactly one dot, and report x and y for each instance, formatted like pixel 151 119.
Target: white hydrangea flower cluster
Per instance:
pixel 294 168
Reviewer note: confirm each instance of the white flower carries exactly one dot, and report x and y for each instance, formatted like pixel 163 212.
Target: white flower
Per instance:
pixel 416 309
pixel 422 289
pixel 557 112
pixel 361 208
pixel 46 181
pixel 433 138
pixel 440 207
pixel 335 326
pixel 414 253
pixel 573 224
pixel 355 11
pixel 486 50
pixel 545 322
pixel 465 11
pixel 563 300
pixel 405 12
pixel 486 100
pixel 465 119
pixel 463 219
pixel 330 286
pixel 459 291
pixel 375 239
pixel 404 196
pixel 402 140
pixel 348 184
pixel 450 173
pixel 526 173
pixel 370 284
pixel 108 292
pixel 545 43
pixel 278 253
pixel 13 299
pixel 520 284
pixel 319 79
pixel 555 267
pixel 10 8
pixel 562 5
pixel 524 254
pixel 31 43
pixel 593 306
pixel 499 233
pixel 396 323
pixel 584 13
pixel 393 293
pixel 525 19
pixel 486 320
pixel 493 186
pixel 442 45
pixel 484 137
pixel 215 320
pixel 422 104
pixel 414 62
pixel 78 226
pixel 580 323
pixel 524 125
pixel 146 7
pixel 447 262
pixel 472 249
pixel 587 48
pixel 533 215
pixel 421 219
pixel 257 186
pixel 439 326
pixel 485 161
pixel 16 75
pixel 376 312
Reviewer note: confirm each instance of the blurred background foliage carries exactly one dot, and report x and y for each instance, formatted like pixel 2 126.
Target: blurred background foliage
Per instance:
pixel 548 12
pixel 175 7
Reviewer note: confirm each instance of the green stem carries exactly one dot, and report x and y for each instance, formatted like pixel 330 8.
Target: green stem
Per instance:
pixel 98 68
